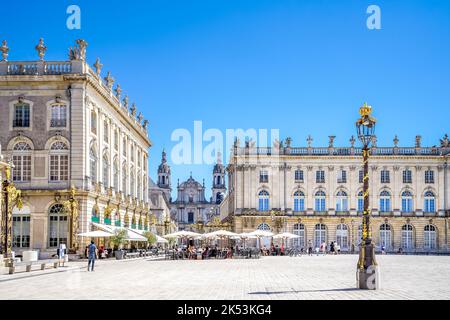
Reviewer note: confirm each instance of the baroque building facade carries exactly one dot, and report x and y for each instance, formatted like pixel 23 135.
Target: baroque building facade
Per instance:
pixel 316 193
pixel 71 137
pixel 191 210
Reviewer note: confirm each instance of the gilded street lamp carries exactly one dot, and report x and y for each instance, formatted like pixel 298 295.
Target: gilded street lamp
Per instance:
pixel 11 197
pixel 367 269
pixel 71 207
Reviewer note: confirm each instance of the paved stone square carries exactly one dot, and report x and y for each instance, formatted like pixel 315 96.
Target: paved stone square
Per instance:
pixel 306 277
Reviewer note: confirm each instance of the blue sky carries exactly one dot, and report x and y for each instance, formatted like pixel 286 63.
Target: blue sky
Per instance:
pixel 303 67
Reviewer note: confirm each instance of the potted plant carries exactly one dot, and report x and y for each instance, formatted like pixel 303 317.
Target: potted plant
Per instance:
pixel 118 240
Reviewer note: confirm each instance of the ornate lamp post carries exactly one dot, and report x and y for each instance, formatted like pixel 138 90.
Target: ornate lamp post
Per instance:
pixel 11 197
pixel 71 207
pixel 367 269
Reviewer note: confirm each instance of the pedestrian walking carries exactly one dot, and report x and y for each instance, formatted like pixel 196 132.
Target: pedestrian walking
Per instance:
pixel 310 248
pixel 332 247
pixel 92 255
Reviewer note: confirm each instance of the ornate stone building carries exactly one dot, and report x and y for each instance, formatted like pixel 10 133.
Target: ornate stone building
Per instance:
pixel 191 210
pixel 317 193
pixel 65 126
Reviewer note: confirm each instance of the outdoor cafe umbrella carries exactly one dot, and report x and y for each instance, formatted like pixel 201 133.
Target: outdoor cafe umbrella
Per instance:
pixel 182 234
pixel 261 234
pixel 244 236
pixel 221 234
pixel 96 234
pixel 285 235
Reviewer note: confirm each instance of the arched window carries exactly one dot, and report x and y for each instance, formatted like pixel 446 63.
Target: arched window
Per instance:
pixel 21 227
pixel 124 178
pixel 264 227
pixel 59 161
pixel 320 234
pixel 407 237
pixel 429 202
pixel 429 237
pixel 132 182
pixel 263 200
pixel 342 236
pixel 385 201
pixel 341 201
pixel 58 225
pixel 360 201
pixel 22 162
pixel 320 201
pixel 105 171
pixel 116 175
pixel 385 236
pixel 299 230
pixel 299 201
pixel 407 201
pixel 93 164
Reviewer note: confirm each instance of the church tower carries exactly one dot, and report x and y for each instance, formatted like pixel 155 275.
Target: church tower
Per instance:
pixel 164 176
pixel 218 187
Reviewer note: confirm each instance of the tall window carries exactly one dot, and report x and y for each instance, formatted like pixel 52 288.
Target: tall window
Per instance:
pixel 299 230
pixel 22 162
pixel 360 201
pixel 139 159
pixel 298 175
pixel 21 227
pixel 407 201
pixel 320 234
pixel 429 176
pixel 385 176
pixel 342 176
pixel 299 201
pixel 58 226
pixel 263 176
pixel 116 140
pixel 429 237
pixel 407 236
pixel 116 175
pixel 58 116
pixel 139 185
pixel 407 176
pixel 105 170
pixel 429 202
pixel 320 176
pixel 361 176
pixel 124 178
pixel 105 131
pixel 190 217
pixel 341 201
pixel 59 161
pixel 93 164
pixel 263 200
pixel 320 201
pixel 124 146
pixel 132 182
pixel 385 201
pixel 21 115
pixel 342 236
pixel 93 122
pixel 385 236
pixel 132 153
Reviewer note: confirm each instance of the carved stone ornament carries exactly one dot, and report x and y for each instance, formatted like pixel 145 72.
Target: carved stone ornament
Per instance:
pixel 4 49
pixel 133 109
pixel 41 48
pixel 98 66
